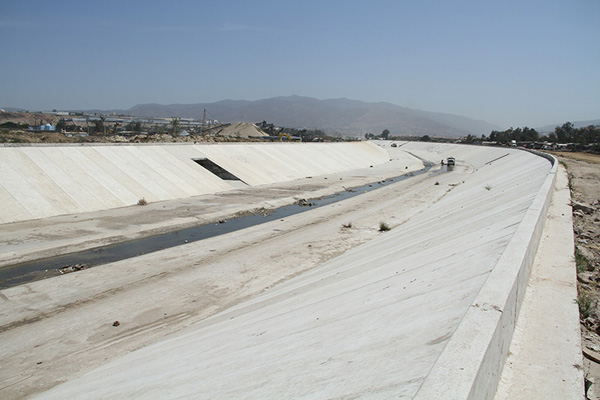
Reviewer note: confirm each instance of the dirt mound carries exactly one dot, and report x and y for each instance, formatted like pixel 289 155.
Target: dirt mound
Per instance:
pixel 243 129
pixel 28 118
pixel 35 137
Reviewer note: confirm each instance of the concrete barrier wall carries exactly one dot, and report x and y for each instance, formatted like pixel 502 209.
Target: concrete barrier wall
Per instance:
pixel 44 181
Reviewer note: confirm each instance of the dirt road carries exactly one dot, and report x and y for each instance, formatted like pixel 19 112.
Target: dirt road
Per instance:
pixel 584 177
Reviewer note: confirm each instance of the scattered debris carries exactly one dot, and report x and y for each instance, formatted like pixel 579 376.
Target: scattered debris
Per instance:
pixel 585 277
pixel 72 268
pixel 304 203
pixel 116 323
pixel 577 206
pixel 142 202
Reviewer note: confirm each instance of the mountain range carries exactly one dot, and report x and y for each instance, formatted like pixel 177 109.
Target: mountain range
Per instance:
pixel 344 116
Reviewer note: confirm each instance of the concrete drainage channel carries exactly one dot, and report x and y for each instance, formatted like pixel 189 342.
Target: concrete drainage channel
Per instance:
pixel 31 271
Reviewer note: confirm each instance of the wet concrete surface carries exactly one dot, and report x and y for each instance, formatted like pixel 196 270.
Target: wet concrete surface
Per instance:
pixel 31 271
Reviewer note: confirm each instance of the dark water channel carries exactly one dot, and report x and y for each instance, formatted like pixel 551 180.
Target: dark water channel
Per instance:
pixel 44 268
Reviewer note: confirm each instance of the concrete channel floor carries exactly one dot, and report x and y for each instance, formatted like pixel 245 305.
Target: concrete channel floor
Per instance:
pixel 308 265
pixel 185 284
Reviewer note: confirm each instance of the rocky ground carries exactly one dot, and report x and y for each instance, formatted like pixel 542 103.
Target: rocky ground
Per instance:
pixel 584 181
pixel 57 137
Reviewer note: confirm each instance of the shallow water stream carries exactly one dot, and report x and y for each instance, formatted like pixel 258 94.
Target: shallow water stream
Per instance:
pixel 44 268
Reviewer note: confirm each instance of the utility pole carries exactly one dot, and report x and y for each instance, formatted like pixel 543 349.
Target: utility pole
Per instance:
pixel 203 122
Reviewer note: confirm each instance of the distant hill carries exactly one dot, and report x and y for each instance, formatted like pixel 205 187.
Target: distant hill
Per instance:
pixel 348 117
pixel 576 124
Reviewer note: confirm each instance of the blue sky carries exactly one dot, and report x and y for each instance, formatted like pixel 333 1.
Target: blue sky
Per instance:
pixel 512 63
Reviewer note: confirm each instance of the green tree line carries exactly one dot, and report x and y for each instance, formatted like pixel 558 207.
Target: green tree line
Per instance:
pixel 521 135
pixel 568 134
pixel 565 133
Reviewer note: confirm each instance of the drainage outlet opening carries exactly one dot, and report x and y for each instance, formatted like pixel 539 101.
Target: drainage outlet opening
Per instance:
pixel 216 169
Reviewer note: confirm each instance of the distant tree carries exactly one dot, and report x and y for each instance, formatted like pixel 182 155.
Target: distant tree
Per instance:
pixel 61 125
pixel 521 135
pixel 369 136
pixel 564 133
pixel 425 138
pixel 159 129
pixel 307 135
pixel 529 135
pixel 134 126
pixel 588 135
pixel 99 126
pixel 385 134
pixel 13 125
pixel 175 126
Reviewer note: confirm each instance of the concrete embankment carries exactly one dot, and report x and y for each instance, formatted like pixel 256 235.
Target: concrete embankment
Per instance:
pixel 47 180
pixel 424 311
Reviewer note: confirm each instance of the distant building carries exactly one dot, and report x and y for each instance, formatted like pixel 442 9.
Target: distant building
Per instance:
pixel 46 127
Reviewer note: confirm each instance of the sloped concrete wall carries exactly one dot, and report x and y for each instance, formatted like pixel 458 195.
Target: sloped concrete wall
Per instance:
pixel 424 310
pixel 44 181
pixel 469 367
